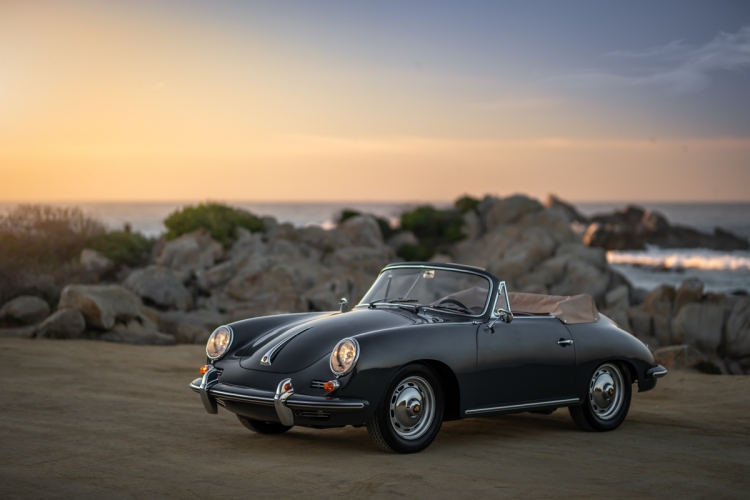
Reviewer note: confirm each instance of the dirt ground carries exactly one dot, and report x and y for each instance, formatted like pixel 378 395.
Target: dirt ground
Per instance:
pixel 83 419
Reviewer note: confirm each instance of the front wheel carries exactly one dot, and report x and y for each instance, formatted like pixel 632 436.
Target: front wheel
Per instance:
pixel 263 427
pixel 409 417
pixel 607 400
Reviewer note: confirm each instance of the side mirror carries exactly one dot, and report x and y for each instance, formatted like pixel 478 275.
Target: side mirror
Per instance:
pixel 343 305
pixel 504 316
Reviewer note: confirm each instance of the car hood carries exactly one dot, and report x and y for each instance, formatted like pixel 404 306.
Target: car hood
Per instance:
pixel 305 342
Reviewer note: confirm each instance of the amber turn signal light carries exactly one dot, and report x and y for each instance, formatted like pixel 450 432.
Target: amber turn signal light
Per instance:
pixel 204 369
pixel 331 385
pixel 287 386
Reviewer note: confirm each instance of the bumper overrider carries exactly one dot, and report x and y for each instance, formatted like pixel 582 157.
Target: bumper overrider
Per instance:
pixel 284 400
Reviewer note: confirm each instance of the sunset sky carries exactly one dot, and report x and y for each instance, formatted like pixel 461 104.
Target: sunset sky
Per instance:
pixel 390 101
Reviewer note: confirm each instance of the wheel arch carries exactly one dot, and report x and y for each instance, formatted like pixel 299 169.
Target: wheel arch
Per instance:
pixel 449 385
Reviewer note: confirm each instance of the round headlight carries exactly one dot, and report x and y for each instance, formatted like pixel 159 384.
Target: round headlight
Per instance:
pixel 344 356
pixel 218 342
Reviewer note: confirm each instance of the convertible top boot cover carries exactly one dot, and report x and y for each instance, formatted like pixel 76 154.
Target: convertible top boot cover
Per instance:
pixel 570 310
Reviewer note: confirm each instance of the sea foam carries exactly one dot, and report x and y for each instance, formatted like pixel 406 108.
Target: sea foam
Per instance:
pixel 712 260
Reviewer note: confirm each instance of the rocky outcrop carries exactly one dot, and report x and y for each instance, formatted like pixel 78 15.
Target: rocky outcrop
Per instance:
pixel 738 330
pixel 66 323
pixel 190 253
pixel 678 357
pixel 24 310
pixel 632 228
pixel 95 262
pixel 362 230
pixel 139 331
pixel 568 211
pixel 101 305
pixel 159 286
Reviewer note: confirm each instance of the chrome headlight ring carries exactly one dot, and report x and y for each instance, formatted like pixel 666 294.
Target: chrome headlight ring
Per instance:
pixel 344 356
pixel 219 342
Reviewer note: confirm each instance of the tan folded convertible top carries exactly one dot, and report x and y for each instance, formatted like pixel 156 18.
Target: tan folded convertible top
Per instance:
pixel 570 310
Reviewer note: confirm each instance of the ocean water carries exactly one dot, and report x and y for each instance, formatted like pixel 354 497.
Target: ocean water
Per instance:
pixel 720 271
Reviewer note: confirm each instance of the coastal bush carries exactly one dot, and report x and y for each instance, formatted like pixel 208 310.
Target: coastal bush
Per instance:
pixel 709 368
pixel 467 203
pixel 436 229
pixel 123 247
pixel 221 220
pixel 385 226
pixel 39 237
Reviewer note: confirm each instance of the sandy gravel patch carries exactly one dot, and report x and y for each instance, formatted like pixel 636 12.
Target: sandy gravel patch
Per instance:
pixel 84 419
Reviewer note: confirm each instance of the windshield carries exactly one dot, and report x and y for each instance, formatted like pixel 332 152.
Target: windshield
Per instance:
pixel 452 291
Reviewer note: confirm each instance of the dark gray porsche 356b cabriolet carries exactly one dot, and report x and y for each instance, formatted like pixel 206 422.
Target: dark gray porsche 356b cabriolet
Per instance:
pixel 428 343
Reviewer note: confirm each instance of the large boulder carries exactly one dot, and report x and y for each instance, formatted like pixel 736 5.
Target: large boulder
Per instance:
pixel 95 262
pixel 160 286
pixel 659 304
pixel 565 209
pixel 66 323
pixel 24 310
pixel 690 291
pixel 677 357
pixel 139 331
pixel 190 252
pixel 402 238
pixel 101 305
pixel 699 325
pixel 509 210
pixel 738 329
pixel 254 284
pixel 362 230
pixel 582 277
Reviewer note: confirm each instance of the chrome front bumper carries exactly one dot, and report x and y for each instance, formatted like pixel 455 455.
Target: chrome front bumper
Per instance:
pixel 285 401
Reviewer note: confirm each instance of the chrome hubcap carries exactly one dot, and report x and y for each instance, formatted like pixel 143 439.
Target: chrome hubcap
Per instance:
pixel 412 407
pixel 606 391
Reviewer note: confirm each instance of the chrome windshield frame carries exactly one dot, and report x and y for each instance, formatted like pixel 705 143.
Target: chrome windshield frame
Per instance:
pixel 441 268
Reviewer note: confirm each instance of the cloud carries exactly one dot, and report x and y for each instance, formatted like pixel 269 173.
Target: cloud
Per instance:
pixel 676 66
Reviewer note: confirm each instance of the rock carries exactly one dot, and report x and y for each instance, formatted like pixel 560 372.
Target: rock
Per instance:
pixel 66 323
pixel 638 295
pixel 658 304
pixel 632 228
pixel 362 230
pixel 441 258
pixel 20 332
pixel 690 291
pixel 280 303
pixel 187 333
pixel 101 305
pixel 95 262
pixel 510 209
pixel 679 357
pixel 365 259
pixel 734 367
pixel 582 277
pixel 172 321
pixel 159 286
pixel 618 298
pixel 24 310
pixel 472 227
pixel 567 210
pixel 738 329
pixel 139 331
pixel 699 325
pixel 191 252
pixel 594 256
pixel 402 238
pixel 620 317
pixel 255 284
pixel 641 323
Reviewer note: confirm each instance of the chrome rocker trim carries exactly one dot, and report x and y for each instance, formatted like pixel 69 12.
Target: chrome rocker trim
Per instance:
pixel 523 406
pixel 283 401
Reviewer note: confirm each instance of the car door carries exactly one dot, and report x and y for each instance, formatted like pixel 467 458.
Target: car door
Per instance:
pixel 531 359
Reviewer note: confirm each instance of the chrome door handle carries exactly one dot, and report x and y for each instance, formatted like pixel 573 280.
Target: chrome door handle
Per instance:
pixel 564 342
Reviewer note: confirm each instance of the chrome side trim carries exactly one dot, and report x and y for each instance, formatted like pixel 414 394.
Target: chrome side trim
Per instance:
pixel 307 405
pixel 267 358
pixel 523 406
pixel 286 416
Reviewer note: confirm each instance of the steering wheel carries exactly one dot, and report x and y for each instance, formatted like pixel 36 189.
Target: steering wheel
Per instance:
pixel 456 303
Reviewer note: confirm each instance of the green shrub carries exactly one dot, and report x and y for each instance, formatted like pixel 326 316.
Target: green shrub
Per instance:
pixel 415 253
pixel 467 204
pixel 221 220
pixel 123 247
pixel 709 368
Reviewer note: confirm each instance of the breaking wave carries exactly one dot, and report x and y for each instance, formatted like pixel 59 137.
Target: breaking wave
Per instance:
pixel 669 258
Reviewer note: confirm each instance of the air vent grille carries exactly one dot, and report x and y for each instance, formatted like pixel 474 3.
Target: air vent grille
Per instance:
pixel 317 384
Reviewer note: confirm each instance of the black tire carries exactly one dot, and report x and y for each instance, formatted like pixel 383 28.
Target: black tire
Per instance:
pixel 383 425
pixel 589 416
pixel 263 427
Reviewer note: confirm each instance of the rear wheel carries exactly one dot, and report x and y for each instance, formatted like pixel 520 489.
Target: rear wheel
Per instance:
pixel 263 427
pixel 409 417
pixel 607 399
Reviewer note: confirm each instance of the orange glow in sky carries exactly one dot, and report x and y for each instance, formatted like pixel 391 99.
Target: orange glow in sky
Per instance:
pixel 105 101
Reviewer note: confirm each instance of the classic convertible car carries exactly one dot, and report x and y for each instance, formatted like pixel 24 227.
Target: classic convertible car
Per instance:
pixel 428 343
